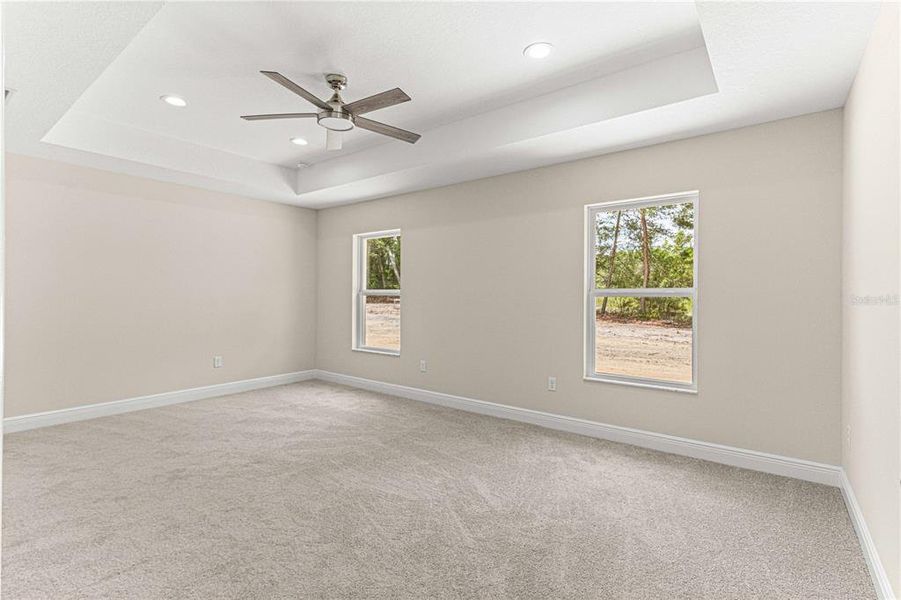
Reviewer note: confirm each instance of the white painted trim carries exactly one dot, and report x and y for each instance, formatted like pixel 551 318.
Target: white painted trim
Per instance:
pixel 592 292
pixel 727 455
pixel 358 317
pixel 376 351
pixel 653 384
pixel 871 555
pixel 105 409
pixel 658 200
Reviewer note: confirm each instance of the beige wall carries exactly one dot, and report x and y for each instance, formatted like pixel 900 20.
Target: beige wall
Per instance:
pixel 119 286
pixel 870 365
pixel 492 287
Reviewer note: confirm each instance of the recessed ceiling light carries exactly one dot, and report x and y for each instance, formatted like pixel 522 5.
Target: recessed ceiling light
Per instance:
pixel 299 141
pixel 174 100
pixel 303 165
pixel 538 50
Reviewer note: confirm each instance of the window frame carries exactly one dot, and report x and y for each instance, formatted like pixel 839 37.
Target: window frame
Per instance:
pixel 360 291
pixel 592 293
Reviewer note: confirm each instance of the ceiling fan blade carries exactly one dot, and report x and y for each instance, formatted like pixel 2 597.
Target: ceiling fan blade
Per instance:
pixel 278 116
pixel 383 100
pixel 285 82
pixel 332 139
pixel 395 132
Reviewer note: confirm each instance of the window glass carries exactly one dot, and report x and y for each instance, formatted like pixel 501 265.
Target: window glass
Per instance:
pixel 645 247
pixel 383 263
pixel 382 318
pixel 647 338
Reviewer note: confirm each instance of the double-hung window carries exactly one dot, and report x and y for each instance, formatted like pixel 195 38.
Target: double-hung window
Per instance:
pixel 376 320
pixel 641 291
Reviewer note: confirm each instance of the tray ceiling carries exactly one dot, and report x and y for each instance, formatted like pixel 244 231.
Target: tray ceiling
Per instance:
pixel 621 75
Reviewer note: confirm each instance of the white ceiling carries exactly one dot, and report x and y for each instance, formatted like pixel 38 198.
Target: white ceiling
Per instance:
pixel 88 77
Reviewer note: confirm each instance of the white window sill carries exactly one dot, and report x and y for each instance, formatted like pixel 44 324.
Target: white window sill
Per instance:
pixel 642 384
pixel 378 351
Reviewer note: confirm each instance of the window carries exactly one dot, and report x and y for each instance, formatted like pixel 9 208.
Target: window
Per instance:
pixel 641 282
pixel 377 292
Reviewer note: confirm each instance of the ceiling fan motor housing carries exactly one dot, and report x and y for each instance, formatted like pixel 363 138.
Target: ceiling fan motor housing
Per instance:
pixel 336 81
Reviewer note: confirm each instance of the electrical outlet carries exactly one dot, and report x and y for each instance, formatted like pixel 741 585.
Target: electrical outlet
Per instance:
pixel 217 362
pixel 423 366
pixel 848 436
pixel 552 384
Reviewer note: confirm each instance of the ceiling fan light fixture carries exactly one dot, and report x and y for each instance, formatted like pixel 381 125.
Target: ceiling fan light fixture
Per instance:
pixel 538 50
pixel 299 141
pixel 173 100
pixel 336 121
pixel 332 139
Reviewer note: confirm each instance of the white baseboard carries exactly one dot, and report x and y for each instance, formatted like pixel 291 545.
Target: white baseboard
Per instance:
pixel 727 455
pixel 104 409
pixel 874 564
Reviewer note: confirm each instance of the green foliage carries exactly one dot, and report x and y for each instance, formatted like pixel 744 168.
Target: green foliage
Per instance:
pixel 671 311
pixel 383 263
pixel 668 236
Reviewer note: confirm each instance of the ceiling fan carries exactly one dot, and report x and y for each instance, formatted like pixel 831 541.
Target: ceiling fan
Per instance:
pixel 336 116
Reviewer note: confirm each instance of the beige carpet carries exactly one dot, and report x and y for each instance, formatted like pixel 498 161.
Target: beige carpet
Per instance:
pixel 318 491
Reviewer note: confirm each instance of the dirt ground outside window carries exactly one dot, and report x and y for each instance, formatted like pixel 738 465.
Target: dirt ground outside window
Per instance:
pixel 650 349
pixel 382 323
